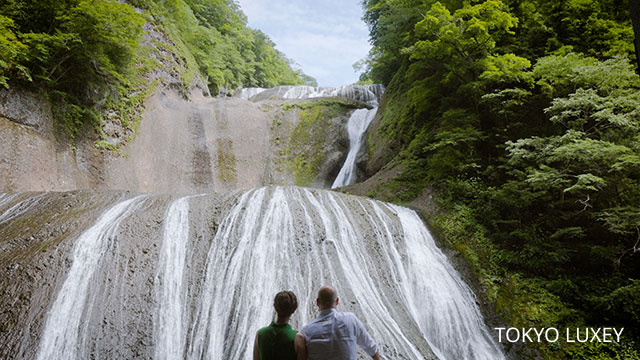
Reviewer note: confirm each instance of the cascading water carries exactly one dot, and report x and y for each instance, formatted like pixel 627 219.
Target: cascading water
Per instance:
pixel 381 257
pixel 19 208
pixel 169 320
pixel 369 94
pixel 356 126
pixel 210 287
pixel 441 297
pixel 63 337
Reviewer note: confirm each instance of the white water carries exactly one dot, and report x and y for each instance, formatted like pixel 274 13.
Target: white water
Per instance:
pixel 381 259
pixel 169 318
pixel 369 94
pixel 440 297
pixel 19 208
pixel 356 126
pixel 248 93
pixel 62 337
pixel 5 198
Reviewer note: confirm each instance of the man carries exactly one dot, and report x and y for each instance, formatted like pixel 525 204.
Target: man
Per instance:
pixel 279 341
pixel 334 335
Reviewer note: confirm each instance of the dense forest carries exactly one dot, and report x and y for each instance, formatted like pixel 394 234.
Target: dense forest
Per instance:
pixel 523 119
pixel 92 57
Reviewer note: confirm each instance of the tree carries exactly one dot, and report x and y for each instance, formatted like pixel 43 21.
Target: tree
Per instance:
pixel 10 50
pixel 635 18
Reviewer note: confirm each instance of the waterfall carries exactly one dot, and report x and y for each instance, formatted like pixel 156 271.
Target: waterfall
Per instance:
pixel 19 208
pixel 211 287
pixel 440 297
pixel 248 93
pixel 356 127
pixel 169 326
pixel 5 198
pixel 381 258
pixel 62 337
pixel 369 94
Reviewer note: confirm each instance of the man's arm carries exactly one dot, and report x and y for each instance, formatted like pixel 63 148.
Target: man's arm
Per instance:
pixel 365 341
pixel 256 354
pixel 301 347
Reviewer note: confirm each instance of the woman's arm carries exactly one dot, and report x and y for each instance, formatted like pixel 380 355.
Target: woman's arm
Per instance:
pixel 301 347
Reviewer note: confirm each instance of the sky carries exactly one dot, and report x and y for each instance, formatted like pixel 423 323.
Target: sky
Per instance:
pixel 324 37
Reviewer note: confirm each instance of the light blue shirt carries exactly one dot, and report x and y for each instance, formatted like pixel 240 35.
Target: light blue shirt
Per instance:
pixel 333 335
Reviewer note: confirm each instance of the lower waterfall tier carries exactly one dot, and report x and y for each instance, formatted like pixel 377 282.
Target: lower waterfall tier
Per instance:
pixel 194 277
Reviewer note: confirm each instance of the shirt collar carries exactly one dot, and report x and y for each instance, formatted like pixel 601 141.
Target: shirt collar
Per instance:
pixel 327 311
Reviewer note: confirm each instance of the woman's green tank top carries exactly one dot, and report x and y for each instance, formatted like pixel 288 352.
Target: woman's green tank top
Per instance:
pixel 275 342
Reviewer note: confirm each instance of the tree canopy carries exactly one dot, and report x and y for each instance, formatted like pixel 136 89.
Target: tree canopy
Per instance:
pixel 523 117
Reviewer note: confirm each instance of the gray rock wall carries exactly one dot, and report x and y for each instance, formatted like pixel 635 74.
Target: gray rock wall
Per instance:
pixel 188 146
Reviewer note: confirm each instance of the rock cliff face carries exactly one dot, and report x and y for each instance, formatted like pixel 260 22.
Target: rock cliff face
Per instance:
pixel 199 145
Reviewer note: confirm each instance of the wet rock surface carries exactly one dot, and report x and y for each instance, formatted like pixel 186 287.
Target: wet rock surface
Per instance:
pixel 36 235
pixel 200 146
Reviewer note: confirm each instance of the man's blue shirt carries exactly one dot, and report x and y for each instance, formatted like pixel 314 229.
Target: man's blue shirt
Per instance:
pixel 333 335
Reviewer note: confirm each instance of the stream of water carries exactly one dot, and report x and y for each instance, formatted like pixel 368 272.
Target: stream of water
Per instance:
pixel 380 257
pixel 356 127
pixel 64 334
pixel 368 94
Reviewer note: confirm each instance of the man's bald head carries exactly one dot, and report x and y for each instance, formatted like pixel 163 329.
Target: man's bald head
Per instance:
pixel 327 297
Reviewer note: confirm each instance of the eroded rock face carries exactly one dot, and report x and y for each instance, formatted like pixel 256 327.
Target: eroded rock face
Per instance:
pixel 189 146
pixel 26 108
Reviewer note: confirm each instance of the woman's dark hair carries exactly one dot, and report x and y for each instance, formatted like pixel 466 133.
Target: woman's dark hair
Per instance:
pixel 285 303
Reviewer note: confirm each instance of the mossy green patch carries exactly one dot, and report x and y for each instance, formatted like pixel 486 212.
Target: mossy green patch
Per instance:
pixel 226 161
pixel 306 153
pixel 104 145
pixel 332 103
pixel 303 152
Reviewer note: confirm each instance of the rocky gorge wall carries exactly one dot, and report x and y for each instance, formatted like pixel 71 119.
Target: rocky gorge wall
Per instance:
pixel 198 145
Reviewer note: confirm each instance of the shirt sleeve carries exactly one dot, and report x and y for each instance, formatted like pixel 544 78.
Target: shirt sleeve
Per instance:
pixel 364 340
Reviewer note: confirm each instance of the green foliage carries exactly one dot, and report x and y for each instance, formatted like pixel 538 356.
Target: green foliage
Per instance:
pixel 87 54
pixel 332 103
pixel 10 50
pixel 594 27
pixel 214 37
pixel 81 51
pixel 523 119
pixel 304 151
pixel 305 148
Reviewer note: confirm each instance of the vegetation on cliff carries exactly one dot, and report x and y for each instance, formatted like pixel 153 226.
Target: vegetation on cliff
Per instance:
pixel 91 57
pixel 228 53
pixel 524 117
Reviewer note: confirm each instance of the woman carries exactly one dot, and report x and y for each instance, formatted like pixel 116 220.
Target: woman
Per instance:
pixel 279 341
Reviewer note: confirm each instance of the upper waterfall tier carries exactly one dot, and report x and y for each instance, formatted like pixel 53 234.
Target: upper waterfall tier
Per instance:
pixel 369 94
pixel 192 146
